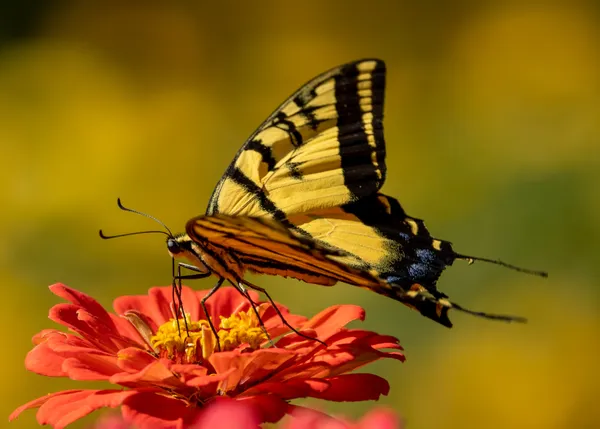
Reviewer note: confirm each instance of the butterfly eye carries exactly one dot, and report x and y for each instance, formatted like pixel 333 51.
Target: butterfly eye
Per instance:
pixel 173 246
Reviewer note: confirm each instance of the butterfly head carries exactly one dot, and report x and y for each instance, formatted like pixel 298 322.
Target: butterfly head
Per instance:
pixel 173 246
pixel 180 245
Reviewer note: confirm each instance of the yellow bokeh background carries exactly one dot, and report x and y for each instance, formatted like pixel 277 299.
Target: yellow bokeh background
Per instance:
pixel 493 135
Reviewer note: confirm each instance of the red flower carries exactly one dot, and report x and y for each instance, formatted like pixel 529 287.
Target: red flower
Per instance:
pixel 169 378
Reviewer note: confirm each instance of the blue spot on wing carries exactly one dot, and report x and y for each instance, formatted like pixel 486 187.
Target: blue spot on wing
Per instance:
pixel 394 279
pixel 425 255
pixel 417 271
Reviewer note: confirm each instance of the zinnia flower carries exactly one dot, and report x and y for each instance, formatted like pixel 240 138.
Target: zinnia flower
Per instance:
pixel 165 376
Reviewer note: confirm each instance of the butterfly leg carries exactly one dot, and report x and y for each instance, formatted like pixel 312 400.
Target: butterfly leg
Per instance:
pixel 240 286
pixel 177 288
pixel 285 322
pixel 203 304
pixel 177 291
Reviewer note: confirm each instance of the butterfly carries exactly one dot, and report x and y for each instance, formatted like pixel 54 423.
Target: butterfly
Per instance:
pixel 302 199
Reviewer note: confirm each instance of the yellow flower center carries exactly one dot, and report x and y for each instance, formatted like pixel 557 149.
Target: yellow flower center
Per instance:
pixel 174 342
pixel 240 328
pixel 198 342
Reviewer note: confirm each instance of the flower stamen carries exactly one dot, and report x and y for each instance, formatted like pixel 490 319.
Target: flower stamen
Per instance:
pixel 191 346
pixel 241 328
pixel 199 342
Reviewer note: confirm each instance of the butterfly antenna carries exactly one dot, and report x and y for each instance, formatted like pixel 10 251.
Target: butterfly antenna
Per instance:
pixel 122 207
pixel 471 259
pixel 107 237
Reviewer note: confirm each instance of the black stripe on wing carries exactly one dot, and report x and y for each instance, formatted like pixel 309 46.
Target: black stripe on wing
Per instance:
pixel 359 96
pixel 264 201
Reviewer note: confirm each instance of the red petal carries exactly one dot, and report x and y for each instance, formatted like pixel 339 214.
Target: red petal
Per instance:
pixel 73 346
pixel 227 301
pixel 42 360
pixel 94 330
pixel 156 305
pixel 36 403
pixel 328 362
pixel 63 408
pixel 307 418
pixel 225 413
pixel 249 366
pixel 111 421
pixel 133 359
pixel 369 338
pixel 148 410
pixel 127 330
pixel 380 418
pixel 91 366
pixel 348 357
pixel 156 374
pixel 332 319
pixel 312 369
pixel 44 334
pixel 84 301
pixel 190 370
pixel 64 343
pixel 140 304
pixel 191 305
pixel 350 350
pixel 292 389
pixel 206 383
pixel 354 387
pixel 163 295
pixel 271 408
pixel 273 323
pixel 160 299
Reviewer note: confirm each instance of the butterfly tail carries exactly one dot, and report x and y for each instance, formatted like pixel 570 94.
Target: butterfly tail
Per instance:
pixel 437 308
pixel 429 307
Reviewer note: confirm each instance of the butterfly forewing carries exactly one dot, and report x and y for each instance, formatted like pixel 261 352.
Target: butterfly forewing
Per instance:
pixel 266 247
pixel 325 143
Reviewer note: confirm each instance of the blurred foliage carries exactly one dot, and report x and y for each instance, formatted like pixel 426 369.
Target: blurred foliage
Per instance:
pixel 493 129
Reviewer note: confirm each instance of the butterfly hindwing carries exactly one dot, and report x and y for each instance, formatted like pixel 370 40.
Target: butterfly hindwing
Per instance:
pixel 378 235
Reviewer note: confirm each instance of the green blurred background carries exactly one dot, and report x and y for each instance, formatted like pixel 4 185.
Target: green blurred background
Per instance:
pixel 492 128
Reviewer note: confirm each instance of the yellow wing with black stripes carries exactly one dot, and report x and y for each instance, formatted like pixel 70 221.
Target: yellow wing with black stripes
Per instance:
pixel 323 147
pixel 315 166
